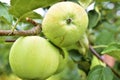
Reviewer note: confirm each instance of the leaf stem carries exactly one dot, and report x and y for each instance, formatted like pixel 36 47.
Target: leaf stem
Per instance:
pixel 100 46
pixel 14 27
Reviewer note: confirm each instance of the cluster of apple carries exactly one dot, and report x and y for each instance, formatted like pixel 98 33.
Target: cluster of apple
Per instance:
pixel 35 57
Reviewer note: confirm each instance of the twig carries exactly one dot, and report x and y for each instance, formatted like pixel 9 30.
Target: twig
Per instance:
pixel 95 53
pixel 31 21
pixel 10 40
pixel 100 58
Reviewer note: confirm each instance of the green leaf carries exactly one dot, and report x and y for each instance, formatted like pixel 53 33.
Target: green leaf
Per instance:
pixel 100 73
pixel 95 61
pixel 84 65
pixel 12 2
pixel 76 1
pixel 113 49
pixel 4 14
pixel 85 3
pixel 4 53
pixel 75 55
pixel 20 7
pixel 106 33
pixel 94 17
pixel 106 0
pixel 104 37
pixel 4 25
pixel 32 15
pixel 116 78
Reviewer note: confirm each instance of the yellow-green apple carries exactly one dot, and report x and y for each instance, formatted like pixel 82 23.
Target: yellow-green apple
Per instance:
pixel 65 23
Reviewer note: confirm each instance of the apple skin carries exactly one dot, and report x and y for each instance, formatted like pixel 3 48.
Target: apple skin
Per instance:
pixel 65 23
pixel 63 59
pixel 33 57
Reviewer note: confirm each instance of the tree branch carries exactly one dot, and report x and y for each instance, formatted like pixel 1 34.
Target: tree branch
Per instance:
pixel 100 58
pixel 10 40
pixel 34 31
pixel 31 21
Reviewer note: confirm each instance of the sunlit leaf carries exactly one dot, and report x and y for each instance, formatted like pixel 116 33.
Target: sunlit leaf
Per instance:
pixel 95 61
pixel 113 49
pixel 4 14
pixel 32 15
pixel 85 3
pixel 20 7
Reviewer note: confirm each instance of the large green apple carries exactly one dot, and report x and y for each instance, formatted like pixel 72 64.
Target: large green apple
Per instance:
pixel 33 57
pixel 65 23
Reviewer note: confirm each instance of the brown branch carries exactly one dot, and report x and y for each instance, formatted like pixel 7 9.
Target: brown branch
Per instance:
pixel 31 21
pixel 95 53
pixel 34 31
pixel 100 58
pixel 10 40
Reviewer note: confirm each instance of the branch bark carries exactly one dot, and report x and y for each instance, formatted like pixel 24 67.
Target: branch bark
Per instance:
pixel 34 31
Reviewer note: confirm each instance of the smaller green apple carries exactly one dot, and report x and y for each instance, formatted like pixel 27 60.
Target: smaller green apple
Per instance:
pixel 65 23
pixel 33 57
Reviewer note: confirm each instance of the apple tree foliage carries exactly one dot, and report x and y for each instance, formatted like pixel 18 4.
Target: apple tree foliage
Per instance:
pixel 103 34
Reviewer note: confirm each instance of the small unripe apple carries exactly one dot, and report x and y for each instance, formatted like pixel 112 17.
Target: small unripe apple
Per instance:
pixel 65 23
pixel 33 57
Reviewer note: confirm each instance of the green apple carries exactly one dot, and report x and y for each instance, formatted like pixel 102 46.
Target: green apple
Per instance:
pixel 33 57
pixel 63 58
pixel 65 23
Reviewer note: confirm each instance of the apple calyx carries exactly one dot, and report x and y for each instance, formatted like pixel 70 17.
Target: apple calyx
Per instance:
pixel 69 21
